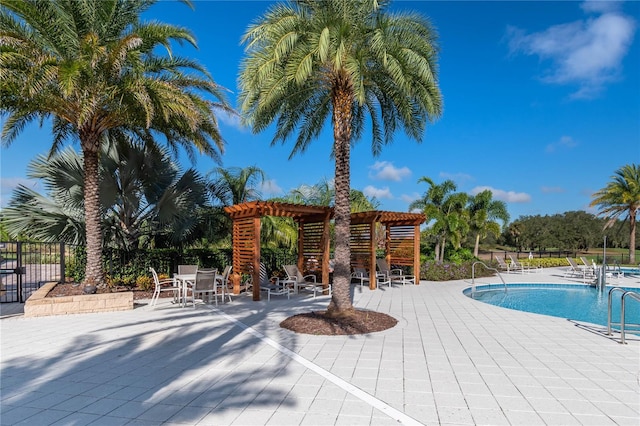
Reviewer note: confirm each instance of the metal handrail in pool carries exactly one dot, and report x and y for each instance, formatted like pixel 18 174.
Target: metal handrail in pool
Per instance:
pixel 625 294
pixel 473 276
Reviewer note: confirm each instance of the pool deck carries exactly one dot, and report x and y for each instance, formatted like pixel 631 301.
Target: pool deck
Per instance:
pixel 449 361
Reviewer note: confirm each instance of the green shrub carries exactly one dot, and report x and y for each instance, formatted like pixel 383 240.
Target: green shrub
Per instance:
pixel 439 271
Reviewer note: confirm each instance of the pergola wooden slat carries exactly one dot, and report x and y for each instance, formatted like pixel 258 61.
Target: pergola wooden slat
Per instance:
pixel 402 238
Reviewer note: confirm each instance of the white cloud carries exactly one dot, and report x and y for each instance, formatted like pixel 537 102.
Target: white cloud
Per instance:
pixel 384 170
pixel 231 120
pixel 552 189
pixel 379 193
pixel 564 142
pixel 587 52
pixel 270 188
pixel 410 198
pixel 456 177
pixel 506 196
pixel 7 185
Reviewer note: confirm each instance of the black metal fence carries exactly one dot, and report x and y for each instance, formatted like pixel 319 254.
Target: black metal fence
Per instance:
pixel 25 267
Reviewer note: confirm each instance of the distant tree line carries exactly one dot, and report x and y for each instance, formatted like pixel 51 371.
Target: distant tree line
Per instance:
pixel 574 231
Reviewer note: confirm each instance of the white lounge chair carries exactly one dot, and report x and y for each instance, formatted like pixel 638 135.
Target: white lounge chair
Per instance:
pixel 299 281
pixel 360 274
pixel 394 275
pixel 272 286
pixel 517 266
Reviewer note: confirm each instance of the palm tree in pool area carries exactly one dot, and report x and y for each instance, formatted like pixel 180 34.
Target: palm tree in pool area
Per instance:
pixel 95 69
pixel 350 61
pixel 620 196
pixel 435 205
pixel 483 214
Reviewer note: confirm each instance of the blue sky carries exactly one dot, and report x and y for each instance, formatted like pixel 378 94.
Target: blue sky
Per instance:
pixel 541 105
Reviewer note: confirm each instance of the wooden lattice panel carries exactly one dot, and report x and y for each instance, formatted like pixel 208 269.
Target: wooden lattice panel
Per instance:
pixel 401 245
pixel 313 245
pixel 243 244
pixel 360 245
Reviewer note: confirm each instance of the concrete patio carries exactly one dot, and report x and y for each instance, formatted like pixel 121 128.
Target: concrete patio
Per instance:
pixel 449 361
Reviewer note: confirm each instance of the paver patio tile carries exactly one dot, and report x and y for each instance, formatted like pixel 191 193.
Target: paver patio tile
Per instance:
pixel 482 416
pixel 44 417
pixel 77 419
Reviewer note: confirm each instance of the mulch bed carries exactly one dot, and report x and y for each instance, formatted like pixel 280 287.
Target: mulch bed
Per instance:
pixel 71 289
pixel 319 323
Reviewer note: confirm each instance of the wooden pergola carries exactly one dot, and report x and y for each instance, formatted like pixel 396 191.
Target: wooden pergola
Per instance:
pixel 313 237
pixel 401 240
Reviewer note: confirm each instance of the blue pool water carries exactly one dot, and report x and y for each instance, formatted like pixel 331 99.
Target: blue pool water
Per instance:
pixel 576 302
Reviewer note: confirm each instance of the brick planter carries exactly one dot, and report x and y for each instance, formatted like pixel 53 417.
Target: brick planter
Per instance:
pixel 38 305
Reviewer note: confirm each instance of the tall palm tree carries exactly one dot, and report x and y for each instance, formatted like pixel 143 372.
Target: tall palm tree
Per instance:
pixel 484 212
pixel 143 195
pixel 95 69
pixel 350 61
pixel 434 205
pixel 620 196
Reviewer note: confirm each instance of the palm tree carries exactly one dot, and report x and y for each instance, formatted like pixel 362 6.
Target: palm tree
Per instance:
pixel 95 69
pixel 350 61
pixel 483 213
pixel 620 196
pixel 143 196
pixel 434 205
pixel 237 185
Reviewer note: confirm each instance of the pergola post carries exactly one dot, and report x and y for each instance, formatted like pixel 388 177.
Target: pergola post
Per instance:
pixel 301 246
pixel 373 284
pixel 416 254
pixel 255 272
pixel 387 243
pixel 327 250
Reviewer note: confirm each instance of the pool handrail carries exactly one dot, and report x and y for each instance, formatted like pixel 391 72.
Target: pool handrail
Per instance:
pixel 473 276
pixel 633 295
pixel 625 294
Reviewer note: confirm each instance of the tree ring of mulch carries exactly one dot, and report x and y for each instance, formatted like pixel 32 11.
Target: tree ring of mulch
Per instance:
pixel 321 324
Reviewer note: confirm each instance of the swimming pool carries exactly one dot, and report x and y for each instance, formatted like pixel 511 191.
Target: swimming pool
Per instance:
pixel 576 302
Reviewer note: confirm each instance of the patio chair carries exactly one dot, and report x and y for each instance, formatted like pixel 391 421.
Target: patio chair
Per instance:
pixel 187 269
pixel 516 266
pixel 222 281
pixel 394 275
pixel 272 286
pixel 295 277
pixel 502 264
pixel 165 284
pixel 204 285
pixel 361 275
pixel 575 269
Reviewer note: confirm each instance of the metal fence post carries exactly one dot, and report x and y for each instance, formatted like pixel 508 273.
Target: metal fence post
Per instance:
pixel 63 265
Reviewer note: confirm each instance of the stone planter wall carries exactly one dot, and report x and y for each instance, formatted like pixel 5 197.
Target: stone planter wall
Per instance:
pixel 38 305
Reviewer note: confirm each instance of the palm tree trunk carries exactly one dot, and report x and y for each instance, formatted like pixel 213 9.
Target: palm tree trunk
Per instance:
pixel 477 245
pixel 436 254
pixel 442 245
pixel 94 275
pixel 340 304
pixel 632 237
